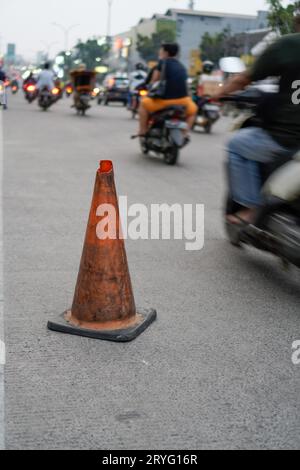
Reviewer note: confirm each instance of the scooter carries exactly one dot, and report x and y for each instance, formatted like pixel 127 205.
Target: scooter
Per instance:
pixel 277 226
pixel 208 114
pixel 166 134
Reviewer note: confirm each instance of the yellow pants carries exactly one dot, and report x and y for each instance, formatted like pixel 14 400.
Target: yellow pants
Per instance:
pixel 152 105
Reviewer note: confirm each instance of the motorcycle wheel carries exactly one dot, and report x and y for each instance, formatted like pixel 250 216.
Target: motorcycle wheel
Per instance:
pixel 233 234
pixel 144 147
pixel 207 128
pixel 232 231
pixel 171 156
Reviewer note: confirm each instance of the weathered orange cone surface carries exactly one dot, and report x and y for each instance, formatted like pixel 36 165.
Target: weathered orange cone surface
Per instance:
pixel 103 305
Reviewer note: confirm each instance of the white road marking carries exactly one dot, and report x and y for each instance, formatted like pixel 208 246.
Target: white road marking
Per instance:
pixel 2 344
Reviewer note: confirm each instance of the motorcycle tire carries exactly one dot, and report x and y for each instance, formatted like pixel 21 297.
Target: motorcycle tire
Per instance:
pixel 208 128
pixel 144 147
pixel 171 156
pixel 233 234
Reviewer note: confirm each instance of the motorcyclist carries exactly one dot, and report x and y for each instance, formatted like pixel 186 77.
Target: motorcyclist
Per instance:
pixel 205 76
pixel 30 80
pixel 136 78
pixel 174 74
pixel 4 96
pixel 2 75
pixel 81 77
pixel 279 138
pixel 46 78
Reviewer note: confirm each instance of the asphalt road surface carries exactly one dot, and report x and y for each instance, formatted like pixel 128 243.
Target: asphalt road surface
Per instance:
pixel 215 370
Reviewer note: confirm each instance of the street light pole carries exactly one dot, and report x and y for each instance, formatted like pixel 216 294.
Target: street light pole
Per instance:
pixel 48 47
pixel 66 32
pixel 109 2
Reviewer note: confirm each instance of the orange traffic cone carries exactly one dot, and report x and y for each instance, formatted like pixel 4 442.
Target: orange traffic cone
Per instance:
pixel 104 306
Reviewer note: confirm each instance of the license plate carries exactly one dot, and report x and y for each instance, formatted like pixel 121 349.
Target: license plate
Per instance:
pixel 212 107
pixel 176 124
pixel 213 115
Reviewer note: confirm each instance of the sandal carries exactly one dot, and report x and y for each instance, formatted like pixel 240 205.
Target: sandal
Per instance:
pixel 241 222
pixel 139 136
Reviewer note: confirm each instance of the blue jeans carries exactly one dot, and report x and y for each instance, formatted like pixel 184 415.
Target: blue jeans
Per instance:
pixel 247 150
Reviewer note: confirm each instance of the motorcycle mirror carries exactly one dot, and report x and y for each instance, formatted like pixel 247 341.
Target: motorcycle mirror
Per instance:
pixel 232 65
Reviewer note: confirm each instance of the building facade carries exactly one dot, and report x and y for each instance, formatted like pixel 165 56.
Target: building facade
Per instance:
pixel 189 28
pixel 192 25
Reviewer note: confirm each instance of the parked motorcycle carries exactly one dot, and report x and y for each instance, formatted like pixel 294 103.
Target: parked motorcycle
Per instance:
pixel 167 134
pixel 277 225
pixel 208 114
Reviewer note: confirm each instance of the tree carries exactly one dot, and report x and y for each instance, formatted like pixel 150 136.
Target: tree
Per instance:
pixel 215 46
pixel 148 47
pixel 90 52
pixel 282 18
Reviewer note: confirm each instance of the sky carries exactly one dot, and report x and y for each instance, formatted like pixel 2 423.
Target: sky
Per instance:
pixel 29 24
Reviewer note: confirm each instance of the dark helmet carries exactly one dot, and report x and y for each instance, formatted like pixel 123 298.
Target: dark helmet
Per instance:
pixel 139 66
pixel 208 67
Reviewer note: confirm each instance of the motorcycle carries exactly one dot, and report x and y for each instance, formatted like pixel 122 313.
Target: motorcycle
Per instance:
pixel 82 103
pixel 30 92
pixel 83 83
pixel 95 93
pixel 3 97
pixel 166 134
pixel 14 87
pixel 277 226
pixel 57 93
pixel 136 97
pixel 208 114
pixel 47 97
pixel 69 90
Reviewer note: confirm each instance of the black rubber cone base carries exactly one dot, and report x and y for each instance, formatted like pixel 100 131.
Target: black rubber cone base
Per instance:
pixel 118 336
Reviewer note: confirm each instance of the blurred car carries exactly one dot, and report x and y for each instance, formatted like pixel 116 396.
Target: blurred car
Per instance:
pixel 115 89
